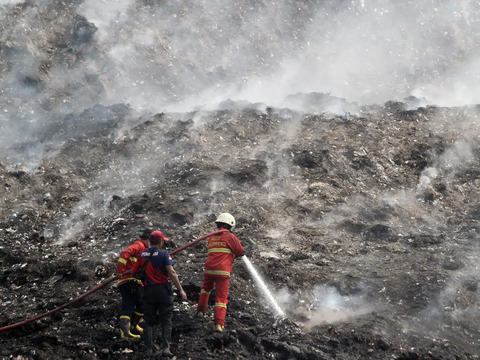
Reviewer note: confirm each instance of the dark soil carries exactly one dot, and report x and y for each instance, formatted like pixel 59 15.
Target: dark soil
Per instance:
pixel 366 220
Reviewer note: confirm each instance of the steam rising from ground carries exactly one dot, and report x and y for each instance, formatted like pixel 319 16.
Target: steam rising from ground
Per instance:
pixel 123 178
pixel 451 160
pixel 331 307
pixel 325 306
pixel 411 212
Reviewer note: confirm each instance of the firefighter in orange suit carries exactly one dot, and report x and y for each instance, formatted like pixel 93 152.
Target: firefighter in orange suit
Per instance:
pixel 223 248
pixel 131 288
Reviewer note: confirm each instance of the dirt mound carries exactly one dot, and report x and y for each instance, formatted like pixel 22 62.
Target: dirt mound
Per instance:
pixel 364 215
pixel 339 207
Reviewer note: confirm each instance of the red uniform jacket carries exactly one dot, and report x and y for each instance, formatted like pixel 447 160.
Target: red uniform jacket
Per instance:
pixel 222 250
pixel 127 260
pixel 156 269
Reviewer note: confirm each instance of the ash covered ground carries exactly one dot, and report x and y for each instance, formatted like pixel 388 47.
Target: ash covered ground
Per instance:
pixel 355 172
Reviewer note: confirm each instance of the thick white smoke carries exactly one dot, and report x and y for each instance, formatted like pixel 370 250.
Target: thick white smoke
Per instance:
pixel 330 306
pixel 368 52
pixel 383 50
pixel 185 54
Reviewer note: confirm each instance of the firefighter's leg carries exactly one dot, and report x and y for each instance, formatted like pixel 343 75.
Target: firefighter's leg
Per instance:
pixel 128 299
pixel 128 304
pixel 135 327
pixel 207 287
pixel 137 315
pixel 151 305
pixel 221 290
pixel 165 313
pixel 148 335
pixel 124 325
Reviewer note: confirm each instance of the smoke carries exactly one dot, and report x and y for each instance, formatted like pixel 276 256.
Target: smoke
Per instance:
pixel 186 54
pixel 283 297
pixel 457 305
pixel 456 156
pixel 123 178
pixel 368 52
pixel 459 155
pixel 407 210
pixel 329 306
pixel 8 2
pixel 377 51
pixel 198 54
pixel 112 11
pixel 426 178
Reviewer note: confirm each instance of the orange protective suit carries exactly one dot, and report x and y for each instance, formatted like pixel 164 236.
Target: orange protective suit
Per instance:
pixel 222 251
pixel 128 258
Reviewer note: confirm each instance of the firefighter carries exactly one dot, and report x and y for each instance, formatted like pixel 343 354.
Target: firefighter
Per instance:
pixel 158 269
pixel 222 251
pixel 131 289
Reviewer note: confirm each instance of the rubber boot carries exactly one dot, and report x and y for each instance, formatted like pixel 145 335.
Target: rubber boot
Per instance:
pixel 148 334
pixel 125 328
pixel 166 336
pixel 135 328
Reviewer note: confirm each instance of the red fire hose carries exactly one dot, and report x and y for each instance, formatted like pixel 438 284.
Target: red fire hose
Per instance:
pixel 195 241
pixel 98 287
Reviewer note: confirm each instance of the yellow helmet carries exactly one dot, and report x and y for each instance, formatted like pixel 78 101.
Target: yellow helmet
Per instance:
pixel 226 218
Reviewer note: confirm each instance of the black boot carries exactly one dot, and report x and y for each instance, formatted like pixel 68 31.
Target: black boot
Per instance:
pixel 125 328
pixel 166 336
pixel 148 334
pixel 134 324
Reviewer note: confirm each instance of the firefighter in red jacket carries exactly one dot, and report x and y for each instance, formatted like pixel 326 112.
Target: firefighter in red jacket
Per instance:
pixel 222 251
pixel 131 288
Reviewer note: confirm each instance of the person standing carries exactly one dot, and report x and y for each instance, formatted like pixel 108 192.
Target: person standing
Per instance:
pixel 131 289
pixel 222 251
pixel 158 269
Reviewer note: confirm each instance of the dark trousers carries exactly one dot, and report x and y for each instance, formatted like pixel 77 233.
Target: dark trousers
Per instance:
pixel 158 304
pixel 132 296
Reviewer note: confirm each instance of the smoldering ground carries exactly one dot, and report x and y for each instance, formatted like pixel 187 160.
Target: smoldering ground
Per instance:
pixel 117 116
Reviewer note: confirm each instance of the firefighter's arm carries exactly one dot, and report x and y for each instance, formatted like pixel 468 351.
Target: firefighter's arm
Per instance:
pixel 174 277
pixel 122 261
pixel 137 265
pixel 236 246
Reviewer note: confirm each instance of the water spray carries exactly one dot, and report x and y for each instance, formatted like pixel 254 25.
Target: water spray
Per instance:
pixel 258 279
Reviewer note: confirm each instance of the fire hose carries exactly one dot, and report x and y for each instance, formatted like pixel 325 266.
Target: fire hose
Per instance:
pixel 98 287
